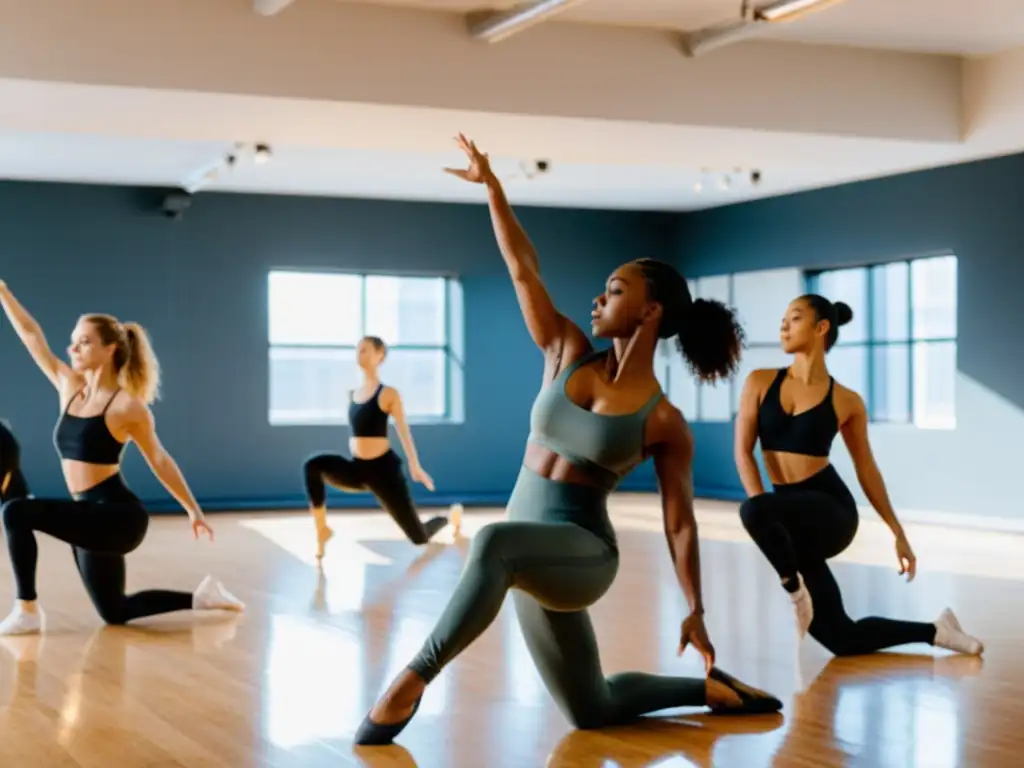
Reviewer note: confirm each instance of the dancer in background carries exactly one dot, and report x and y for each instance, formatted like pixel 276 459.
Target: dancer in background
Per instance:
pixel 374 466
pixel 810 515
pixel 13 484
pixel 598 415
pixel 105 394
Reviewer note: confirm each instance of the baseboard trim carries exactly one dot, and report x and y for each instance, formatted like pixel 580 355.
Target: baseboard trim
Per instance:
pixel 957 520
pixel 494 499
pixel 339 501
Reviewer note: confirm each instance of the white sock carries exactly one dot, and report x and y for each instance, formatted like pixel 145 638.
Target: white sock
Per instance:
pixel 22 622
pixel 951 636
pixel 803 606
pixel 211 595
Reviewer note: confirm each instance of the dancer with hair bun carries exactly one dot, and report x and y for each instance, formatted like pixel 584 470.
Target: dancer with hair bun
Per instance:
pixel 105 396
pixel 810 515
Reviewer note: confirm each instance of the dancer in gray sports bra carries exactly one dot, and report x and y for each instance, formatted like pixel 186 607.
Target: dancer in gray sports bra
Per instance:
pixel 599 416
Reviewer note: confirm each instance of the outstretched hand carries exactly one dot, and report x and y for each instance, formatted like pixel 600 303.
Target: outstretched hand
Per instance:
pixel 420 476
pixel 694 633
pixel 199 526
pixel 906 557
pixel 479 169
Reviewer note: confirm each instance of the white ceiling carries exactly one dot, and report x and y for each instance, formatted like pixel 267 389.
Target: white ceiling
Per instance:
pixel 820 116
pixel 85 158
pixel 967 27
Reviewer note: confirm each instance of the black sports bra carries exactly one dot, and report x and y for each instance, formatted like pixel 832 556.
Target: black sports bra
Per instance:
pixel 367 419
pixel 809 433
pixel 87 439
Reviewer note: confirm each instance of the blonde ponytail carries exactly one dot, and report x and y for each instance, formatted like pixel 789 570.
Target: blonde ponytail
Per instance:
pixel 141 373
pixel 138 370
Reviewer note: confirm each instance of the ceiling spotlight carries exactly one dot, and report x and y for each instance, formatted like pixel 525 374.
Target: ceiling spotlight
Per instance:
pixel 725 182
pixel 261 153
pixel 698 187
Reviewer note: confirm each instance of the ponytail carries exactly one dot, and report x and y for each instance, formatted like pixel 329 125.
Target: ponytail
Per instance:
pixel 711 339
pixel 707 332
pixel 141 373
pixel 138 370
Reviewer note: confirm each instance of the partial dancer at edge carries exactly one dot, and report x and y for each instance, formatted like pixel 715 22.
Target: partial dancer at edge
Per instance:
pixel 13 484
pixel 105 396
pixel 374 466
pixel 598 415
pixel 810 515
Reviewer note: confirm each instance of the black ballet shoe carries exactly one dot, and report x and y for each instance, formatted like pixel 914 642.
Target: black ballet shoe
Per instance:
pixel 752 701
pixel 371 734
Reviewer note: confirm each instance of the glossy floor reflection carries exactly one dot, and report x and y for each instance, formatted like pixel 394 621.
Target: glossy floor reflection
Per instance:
pixel 287 683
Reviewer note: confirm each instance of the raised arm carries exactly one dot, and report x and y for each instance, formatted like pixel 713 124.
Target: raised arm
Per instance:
pixel 746 436
pixel 855 435
pixel 142 429
pixel 391 402
pixel 673 465
pixel 548 327
pixel 31 335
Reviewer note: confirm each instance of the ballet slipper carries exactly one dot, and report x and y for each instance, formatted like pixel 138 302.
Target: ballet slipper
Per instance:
pixel 752 700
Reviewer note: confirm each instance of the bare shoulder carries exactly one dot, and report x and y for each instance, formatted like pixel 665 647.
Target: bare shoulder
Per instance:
pixel 668 430
pixel 575 345
pixel 71 383
pixel 129 414
pixel 760 379
pixel 389 397
pixel 848 403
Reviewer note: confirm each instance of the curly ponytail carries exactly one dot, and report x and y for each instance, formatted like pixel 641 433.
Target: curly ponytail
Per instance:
pixel 707 332
pixel 712 340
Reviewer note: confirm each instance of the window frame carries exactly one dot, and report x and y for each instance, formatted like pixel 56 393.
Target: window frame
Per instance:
pixel 871 342
pixel 454 362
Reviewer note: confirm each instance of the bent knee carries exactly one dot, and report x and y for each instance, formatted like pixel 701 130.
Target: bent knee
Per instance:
pixel 497 541
pixel 113 614
pixel 755 510
pixel 587 718
pixel 588 723
pixel 489 542
pixel 314 464
pixel 16 513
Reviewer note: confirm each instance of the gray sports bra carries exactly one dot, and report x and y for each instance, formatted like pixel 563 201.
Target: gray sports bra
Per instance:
pixel 612 444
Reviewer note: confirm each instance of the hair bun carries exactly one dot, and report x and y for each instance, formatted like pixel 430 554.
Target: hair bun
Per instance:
pixel 844 313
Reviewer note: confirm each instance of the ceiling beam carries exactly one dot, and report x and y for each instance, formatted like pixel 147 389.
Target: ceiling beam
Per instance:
pixel 494 26
pixel 720 35
pixel 270 7
pixel 753 21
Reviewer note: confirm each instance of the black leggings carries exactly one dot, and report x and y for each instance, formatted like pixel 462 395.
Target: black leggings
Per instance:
pixel 382 477
pixel 102 525
pixel 799 527
pixel 12 482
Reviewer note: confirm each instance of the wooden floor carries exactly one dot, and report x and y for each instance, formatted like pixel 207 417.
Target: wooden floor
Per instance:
pixel 287 683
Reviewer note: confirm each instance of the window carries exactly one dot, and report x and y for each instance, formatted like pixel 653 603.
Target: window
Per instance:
pixel 317 319
pixel 899 352
pixel 759 300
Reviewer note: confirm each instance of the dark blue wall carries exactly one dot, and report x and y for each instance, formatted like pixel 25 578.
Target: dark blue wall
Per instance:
pixel 974 210
pixel 199 286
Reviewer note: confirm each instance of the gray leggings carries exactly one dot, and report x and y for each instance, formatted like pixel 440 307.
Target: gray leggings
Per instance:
pixel 557 551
